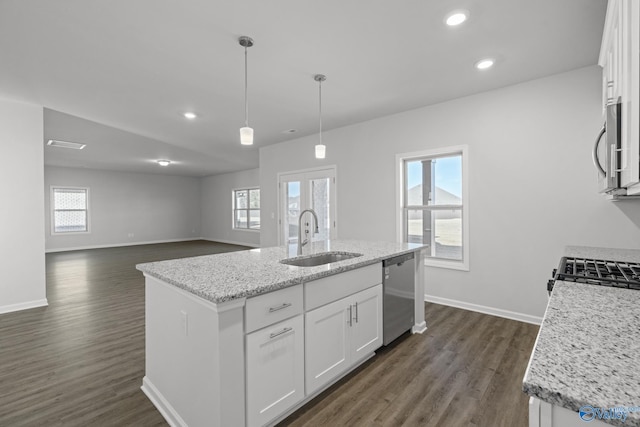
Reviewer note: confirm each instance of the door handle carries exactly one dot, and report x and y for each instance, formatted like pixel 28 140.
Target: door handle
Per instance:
pixel 277 334
pixel 596 160
pixel 356 312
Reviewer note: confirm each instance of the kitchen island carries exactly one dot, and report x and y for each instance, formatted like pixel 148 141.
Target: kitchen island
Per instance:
pixel 587 352
pixel 242 339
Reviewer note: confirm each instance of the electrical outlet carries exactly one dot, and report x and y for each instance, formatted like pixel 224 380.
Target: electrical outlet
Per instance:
pixel 130 235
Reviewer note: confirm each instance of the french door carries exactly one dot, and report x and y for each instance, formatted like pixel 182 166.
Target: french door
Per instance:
pixel 311 189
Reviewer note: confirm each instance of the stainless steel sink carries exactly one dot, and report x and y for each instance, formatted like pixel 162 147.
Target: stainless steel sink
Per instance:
pixel 319 259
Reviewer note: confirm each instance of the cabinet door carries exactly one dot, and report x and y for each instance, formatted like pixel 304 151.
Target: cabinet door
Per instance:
pixel 629 16
pixel 275 370
pixel 327 343
pixel 366 332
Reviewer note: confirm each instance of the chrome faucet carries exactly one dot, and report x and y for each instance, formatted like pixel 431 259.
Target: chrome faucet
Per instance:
pixel 300 242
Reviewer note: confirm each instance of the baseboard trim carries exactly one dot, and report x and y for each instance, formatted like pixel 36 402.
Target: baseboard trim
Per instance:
pixel 23 306
pixel 118 245
pixel 527 318
pixel 161 404
pixel 232 242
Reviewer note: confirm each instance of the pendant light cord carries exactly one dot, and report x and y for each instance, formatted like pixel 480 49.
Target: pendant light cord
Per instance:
pixel 246 101
pixel 320 107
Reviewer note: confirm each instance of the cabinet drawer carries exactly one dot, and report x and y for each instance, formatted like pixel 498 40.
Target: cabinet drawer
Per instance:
pixel 267 309
pixel 328 289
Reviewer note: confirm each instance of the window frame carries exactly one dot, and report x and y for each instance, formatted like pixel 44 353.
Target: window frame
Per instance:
pixel 53 210
pixel 401 195
pixel 248 209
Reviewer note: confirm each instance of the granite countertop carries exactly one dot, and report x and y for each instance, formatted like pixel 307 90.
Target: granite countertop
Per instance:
pixel 588 346
pixel 224 277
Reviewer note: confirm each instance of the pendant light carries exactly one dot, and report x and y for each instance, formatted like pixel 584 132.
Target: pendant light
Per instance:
pixel 321 149
pixel 246 133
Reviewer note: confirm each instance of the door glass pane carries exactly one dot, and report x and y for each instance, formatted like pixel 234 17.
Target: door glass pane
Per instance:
pixel 241 219
pixel 448 233
pixel 292 210
pixel 320 203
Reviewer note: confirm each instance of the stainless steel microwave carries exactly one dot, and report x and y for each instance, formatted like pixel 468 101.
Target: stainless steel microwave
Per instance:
pixel 607 157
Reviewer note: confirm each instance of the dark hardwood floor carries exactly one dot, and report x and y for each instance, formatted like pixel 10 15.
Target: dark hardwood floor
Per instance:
pixel 80 361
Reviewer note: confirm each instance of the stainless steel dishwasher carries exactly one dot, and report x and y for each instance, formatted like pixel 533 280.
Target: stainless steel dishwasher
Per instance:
pixel 399 295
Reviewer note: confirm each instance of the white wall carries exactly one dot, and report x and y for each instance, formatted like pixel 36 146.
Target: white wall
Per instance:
pixel 21 212
pixel 154 208
pixel 217 205
pixel 532 185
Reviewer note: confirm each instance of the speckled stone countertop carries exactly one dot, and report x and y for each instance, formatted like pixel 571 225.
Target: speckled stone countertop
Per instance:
pixel 588 347
pixel 225 277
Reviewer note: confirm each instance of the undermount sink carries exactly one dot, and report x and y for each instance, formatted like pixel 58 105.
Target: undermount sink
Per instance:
pixel 319 259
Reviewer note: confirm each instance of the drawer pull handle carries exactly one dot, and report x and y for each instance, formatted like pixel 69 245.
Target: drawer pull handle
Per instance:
pixel 280 307
pixel 277 334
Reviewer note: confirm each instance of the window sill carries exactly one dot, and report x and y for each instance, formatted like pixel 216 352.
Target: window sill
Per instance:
pixel 251 230
pixel 443 263
pixel 67 233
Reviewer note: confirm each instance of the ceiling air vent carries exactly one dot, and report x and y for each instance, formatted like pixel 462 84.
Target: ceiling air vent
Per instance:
pixel 66 144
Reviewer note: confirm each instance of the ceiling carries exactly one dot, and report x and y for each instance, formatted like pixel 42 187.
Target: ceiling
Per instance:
pixel 118 74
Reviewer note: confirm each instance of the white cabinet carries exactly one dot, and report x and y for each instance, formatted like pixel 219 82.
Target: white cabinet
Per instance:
pixel 274 370
pixel 367 323
pixel 543 414
pixel 340 334
pixel 619 59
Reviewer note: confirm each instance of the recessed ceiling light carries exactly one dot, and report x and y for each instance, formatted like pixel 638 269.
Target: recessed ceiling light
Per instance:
pixel 289 131
pixel 190 115
pixel 66 144
pixel 456 17
pixel 483 64
pixel 164 162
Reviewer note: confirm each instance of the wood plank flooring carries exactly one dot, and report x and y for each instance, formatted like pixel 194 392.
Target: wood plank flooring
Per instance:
pixel 80 361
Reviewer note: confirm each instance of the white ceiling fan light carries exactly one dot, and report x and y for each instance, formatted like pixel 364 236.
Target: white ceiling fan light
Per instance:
pixel 66 144
pixel 321 149
pixel 456 17
pixel 485 63
pixel 190 115
pixel 163 162
pixel 246 133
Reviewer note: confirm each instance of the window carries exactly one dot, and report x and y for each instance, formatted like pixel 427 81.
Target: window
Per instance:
pixel 246 209
pixel 434 205
pixel 69 210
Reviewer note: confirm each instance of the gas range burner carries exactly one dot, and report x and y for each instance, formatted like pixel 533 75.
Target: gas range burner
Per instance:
pixel 618 274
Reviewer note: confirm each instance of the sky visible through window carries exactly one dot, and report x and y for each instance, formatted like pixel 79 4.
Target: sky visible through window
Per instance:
pixel 448 174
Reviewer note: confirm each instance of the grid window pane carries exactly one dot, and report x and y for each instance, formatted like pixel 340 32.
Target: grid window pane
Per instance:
pixel 70 210
pixel 254 199
pixel 254 219
pixel 434 185
pixel 241 219
pixel 241 199
pixel 448 233
pixel 70 221
pixel 69 199
pixel 246 209
pixel 415 230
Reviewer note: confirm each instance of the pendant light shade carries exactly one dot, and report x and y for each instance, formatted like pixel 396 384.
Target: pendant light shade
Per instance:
pixel 246 133
pixel 321 149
